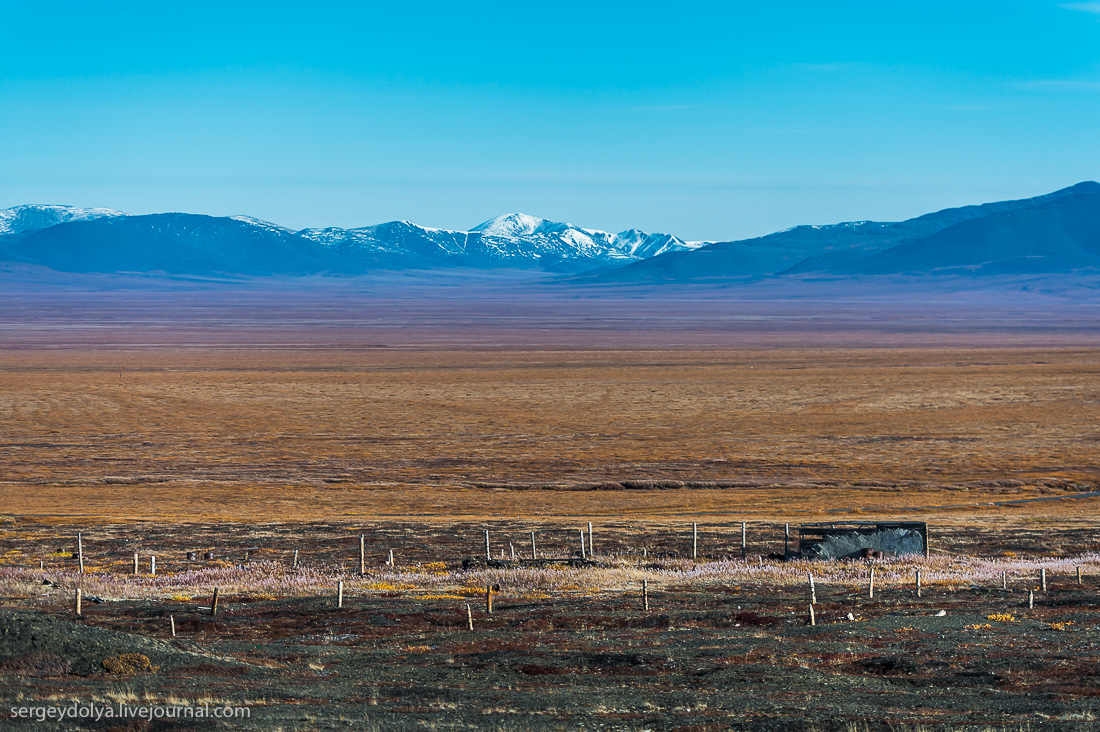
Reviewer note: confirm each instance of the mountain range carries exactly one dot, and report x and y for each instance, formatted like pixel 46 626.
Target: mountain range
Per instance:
pixel 107 241
pixel 1051 234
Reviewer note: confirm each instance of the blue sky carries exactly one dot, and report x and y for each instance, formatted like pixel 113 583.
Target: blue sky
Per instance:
pixel 706 120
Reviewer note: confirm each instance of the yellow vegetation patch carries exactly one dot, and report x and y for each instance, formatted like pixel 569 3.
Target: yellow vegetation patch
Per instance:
pixel 388 587
pixel 128 664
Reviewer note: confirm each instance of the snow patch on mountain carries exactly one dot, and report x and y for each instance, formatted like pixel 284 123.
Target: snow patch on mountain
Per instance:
pixel 30 217
pixel 261 223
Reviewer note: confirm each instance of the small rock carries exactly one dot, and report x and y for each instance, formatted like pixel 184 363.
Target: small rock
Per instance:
pixel 940 614
pixel 850 616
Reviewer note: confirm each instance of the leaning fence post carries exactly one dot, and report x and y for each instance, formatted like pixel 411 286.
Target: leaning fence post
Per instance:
pixel 214 603
pixel 469 617
pixel 533 554
pixel 813 592
pixel 172 622
pixel 813 620
pixel 80 551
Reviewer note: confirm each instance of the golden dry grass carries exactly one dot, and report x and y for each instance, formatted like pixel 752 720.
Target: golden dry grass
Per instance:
pixel 299 435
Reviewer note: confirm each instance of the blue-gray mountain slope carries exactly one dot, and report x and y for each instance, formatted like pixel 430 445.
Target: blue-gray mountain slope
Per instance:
pixel 1047 234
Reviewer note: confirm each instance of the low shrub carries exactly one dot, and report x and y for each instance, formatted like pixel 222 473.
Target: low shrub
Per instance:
pixel 128 664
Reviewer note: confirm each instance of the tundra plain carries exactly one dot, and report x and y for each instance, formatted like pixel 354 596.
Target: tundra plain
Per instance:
pixel 222 428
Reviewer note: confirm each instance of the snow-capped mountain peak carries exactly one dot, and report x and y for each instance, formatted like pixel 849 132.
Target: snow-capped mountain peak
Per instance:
pixel 513 224
pixel 17 219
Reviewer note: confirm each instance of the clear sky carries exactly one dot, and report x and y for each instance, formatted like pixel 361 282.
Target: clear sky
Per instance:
pixel 705 120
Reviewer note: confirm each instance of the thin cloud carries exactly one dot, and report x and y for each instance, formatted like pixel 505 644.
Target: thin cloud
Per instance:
pixel 1093 8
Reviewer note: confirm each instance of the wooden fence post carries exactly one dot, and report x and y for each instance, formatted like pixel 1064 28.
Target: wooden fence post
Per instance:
pixel 813 592
pixel 583 555
pixel 78 601
pixel 918 583
pixel 469 617
pixel 645 594
pixel 340 594
pixel 1043 579
pixel 534 555
pixel 513 548
pixel 214 603
pixel 591 541
pixel 488 551
pixel 786 541
pixel 172 622
pixel 80 551
pixel 694 542
pixel 744 545
pixel 488 599
pixel 1079 575
pixel 390 561
pixel 1004 580
pixel 362 554
pixel 135 564
pixel 1031 599
pixel 295 564
pixel 813 620
pixel 153 565
pixel 871 585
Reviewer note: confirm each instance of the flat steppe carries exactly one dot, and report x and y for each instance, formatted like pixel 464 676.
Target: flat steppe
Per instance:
pixel 255 425
pixel 259 434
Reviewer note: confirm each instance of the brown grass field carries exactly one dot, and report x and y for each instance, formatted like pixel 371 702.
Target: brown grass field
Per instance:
pixel 256 435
